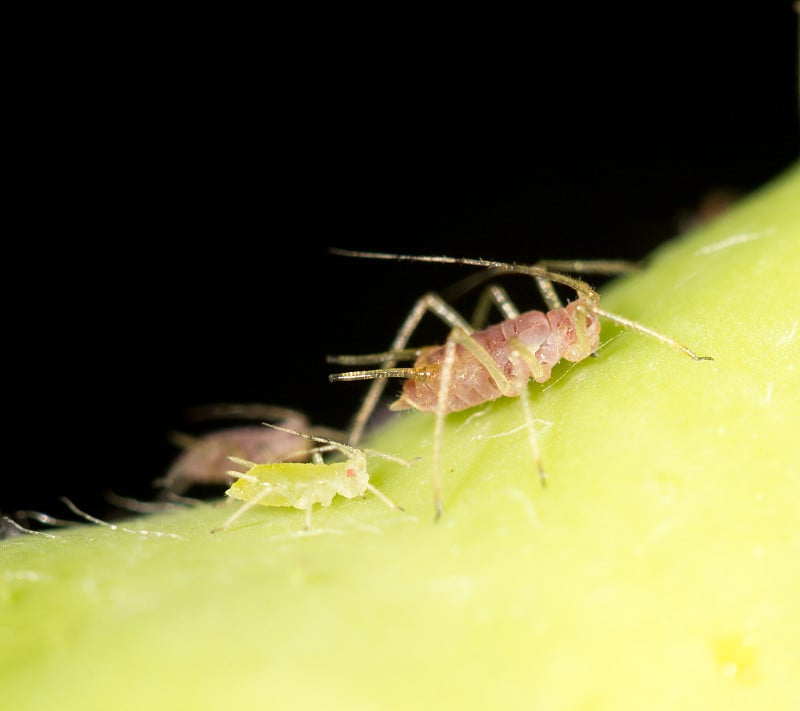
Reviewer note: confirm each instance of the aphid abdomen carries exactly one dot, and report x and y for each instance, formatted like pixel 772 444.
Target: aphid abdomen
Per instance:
pixel 300 485
pixel 471 383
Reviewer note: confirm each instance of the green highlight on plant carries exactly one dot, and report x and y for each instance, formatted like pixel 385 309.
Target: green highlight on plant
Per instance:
pixel 659 569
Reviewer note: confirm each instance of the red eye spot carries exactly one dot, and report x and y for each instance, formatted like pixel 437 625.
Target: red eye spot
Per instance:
pixel 350 472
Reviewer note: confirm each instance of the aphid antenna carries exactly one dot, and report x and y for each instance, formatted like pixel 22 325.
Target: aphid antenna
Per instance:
pixel 333 445
pixel 509 267
pixel 578 285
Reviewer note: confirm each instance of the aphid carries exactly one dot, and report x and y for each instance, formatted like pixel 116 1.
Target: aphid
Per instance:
pixel 478 364
pixel 303 484
pixel 204 460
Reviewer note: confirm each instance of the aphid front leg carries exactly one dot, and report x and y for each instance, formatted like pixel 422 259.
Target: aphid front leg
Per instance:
pixel 644 330
pixel 255 500
pixel 519 354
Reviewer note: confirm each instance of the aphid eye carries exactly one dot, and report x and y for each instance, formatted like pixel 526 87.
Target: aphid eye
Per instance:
pixel 350 472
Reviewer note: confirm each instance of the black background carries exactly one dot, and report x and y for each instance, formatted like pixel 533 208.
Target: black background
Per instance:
pixel 180 187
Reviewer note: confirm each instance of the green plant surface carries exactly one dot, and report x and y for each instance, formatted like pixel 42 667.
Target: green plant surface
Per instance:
pixel 659 569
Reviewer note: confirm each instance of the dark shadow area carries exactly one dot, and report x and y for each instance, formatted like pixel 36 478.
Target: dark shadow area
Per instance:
pixel 179 200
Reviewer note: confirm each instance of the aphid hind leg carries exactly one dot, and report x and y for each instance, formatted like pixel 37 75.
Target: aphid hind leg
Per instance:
pixel 519 354
pixel 458 337
pixel 430 302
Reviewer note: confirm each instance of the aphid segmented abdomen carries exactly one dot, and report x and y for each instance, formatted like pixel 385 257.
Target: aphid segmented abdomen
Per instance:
pixel 471 383
pixel 545 337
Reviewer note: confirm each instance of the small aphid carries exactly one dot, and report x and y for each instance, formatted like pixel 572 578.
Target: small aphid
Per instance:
pixel 303 484
pixel 478 364
pixel 204 460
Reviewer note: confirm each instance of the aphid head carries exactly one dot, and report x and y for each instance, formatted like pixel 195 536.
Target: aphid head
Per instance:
pixel 354 480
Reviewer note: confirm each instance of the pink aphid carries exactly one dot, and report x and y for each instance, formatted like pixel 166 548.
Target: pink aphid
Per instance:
pixel 479 363
pixel 204 460
pixel 548 336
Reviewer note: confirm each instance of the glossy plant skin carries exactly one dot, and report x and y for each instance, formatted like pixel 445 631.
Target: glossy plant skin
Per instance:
pixel 659 569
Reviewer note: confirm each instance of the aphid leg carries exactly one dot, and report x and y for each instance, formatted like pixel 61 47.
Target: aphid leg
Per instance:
pixel 582 341
pixel 610 267
pixel 330 445
pixel 604 267
pixel 639 328
pixel 316 457
pixel 386 500
pixel 247 505
pixel 438 428
pixel 430 302
pixel 457 337
pixel 497 296
pixel 520 354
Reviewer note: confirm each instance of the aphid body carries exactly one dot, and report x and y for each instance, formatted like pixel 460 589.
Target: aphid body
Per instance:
pixel 204 459
pixel 549 337
pixel 300 484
